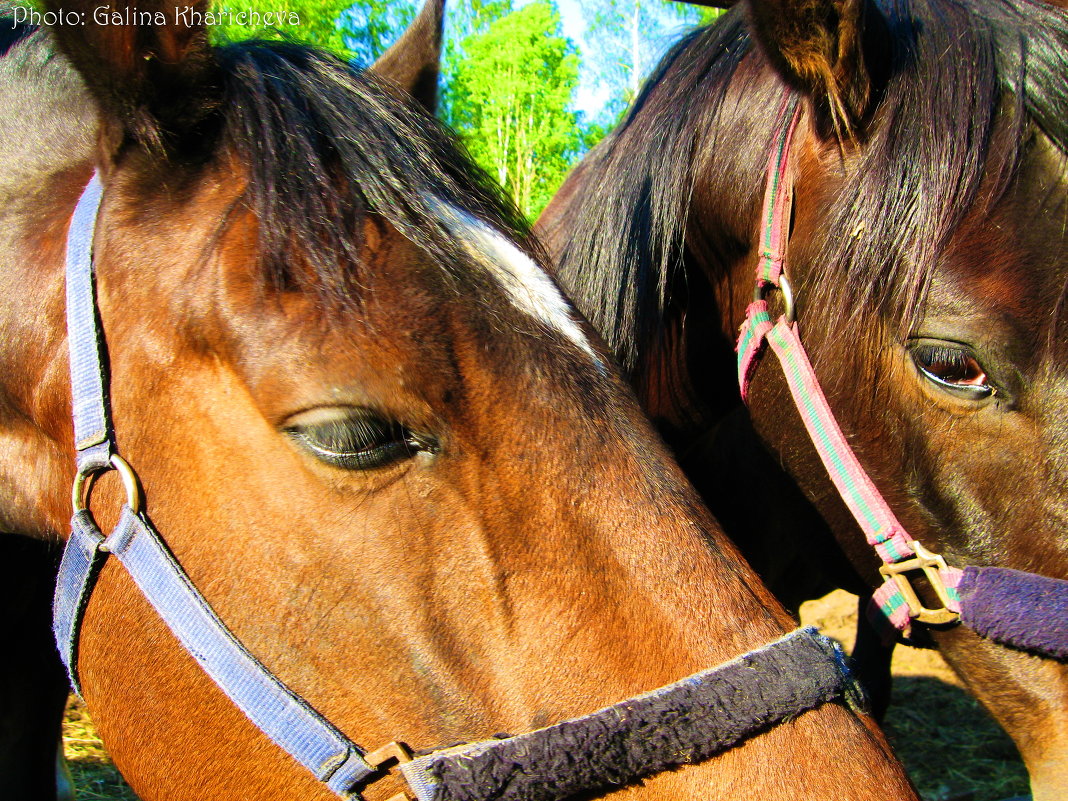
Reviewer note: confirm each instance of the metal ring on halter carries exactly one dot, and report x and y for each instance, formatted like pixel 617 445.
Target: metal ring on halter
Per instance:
pixel 83 485
pixel 789 311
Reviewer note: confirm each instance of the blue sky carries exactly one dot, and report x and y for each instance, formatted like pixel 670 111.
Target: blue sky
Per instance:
pixel 589 97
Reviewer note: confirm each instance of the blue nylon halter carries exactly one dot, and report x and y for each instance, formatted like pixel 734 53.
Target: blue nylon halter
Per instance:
pixel 281 714
pixel 708 712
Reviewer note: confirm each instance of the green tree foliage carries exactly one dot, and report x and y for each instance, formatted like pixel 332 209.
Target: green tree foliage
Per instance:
pixel 464 19
pixel 511 102
pixel 318 22
pixel 370 26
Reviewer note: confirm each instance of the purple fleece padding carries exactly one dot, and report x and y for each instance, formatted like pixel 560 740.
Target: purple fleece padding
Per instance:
pixel 1022 610
pixel 684 723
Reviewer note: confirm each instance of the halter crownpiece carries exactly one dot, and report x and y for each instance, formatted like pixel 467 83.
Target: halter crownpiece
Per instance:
pixel 988 600
pixel 683 723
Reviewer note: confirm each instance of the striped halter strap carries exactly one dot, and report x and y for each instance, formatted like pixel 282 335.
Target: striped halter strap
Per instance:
pixel 976 596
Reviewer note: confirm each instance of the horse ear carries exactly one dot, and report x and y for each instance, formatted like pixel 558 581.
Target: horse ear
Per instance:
pixel 413 62
pixel 817 46
pixel 150 68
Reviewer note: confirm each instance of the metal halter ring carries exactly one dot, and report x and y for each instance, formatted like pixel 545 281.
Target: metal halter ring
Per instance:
pixel 83 484
pixel 762 287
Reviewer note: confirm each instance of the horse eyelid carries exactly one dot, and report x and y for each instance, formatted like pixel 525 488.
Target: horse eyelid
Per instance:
pixel 396 444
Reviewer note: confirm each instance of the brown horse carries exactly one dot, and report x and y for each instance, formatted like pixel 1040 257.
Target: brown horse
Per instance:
pixel 928 258
pixel 368 425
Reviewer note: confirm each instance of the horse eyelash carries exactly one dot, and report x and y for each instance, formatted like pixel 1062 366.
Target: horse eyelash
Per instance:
pixel 956 357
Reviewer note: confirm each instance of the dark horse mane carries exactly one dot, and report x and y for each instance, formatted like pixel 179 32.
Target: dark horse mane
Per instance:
pixel 968 82
pixel 323 145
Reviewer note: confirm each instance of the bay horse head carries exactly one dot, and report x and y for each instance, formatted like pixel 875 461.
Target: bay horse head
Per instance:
pixel 926 253
pixel 380 446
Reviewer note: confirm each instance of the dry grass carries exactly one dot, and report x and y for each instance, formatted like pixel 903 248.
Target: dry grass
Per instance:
pixel 94 776
pixel 950 746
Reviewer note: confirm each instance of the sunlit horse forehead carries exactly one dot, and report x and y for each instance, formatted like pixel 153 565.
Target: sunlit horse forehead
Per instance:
pixel 524 281
pixel 367 151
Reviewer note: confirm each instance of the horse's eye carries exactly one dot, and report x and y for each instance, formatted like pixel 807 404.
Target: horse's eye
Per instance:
pixel 953 368
pixel 359 440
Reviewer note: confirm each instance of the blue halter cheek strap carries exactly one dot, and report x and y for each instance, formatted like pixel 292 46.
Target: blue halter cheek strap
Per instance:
pixel 274 708
pixel 683 723
pixel 92 423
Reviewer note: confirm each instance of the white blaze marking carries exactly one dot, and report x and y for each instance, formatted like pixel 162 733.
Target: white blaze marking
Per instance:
pixel 525 282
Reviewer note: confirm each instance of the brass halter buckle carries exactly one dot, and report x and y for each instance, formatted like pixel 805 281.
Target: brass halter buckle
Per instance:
pixel 931 564
pixel 396 753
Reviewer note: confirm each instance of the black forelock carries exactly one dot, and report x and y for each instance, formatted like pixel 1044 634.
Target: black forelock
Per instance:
pixel 972 82
pixel 625 247
pixel 322 144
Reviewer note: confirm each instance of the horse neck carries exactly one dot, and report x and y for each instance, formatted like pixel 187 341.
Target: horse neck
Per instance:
pixel 688 379
pixel 47 132
pixel 663 267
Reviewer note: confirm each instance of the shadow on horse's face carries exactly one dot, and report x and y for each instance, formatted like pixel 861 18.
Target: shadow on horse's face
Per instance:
pixel 927 254
pixel 369 427
pixel 964 410
pixel 960 415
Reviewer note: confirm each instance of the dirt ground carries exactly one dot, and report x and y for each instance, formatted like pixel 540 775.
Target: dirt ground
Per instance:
pixel 950 746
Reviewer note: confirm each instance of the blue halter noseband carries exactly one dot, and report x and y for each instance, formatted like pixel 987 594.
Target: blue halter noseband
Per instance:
pixel 693 719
